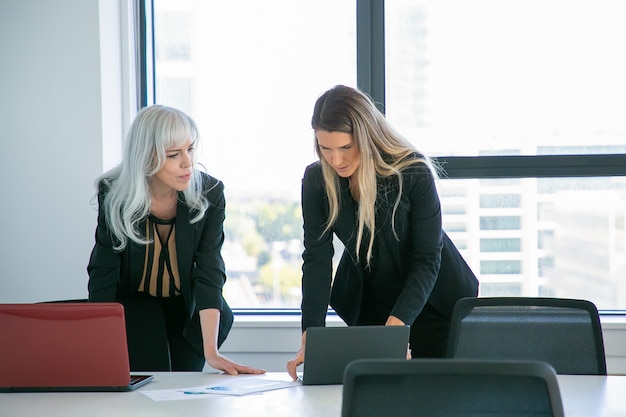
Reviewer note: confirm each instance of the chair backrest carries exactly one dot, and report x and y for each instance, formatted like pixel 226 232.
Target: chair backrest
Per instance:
pixel 450 388
pixel 566 333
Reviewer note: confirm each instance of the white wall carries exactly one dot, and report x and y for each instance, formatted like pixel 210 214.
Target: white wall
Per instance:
pixel 51 122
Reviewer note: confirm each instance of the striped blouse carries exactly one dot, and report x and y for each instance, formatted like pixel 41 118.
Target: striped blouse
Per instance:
pixel 160 271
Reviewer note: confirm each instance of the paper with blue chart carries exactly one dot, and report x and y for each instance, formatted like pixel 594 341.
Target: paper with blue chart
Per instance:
pixel 238 385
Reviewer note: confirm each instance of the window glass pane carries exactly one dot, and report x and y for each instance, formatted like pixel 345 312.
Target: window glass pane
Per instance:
pixel 500 223
pixel 567 238
pixel 249 73
pixel 492 77
pixel 500 200
pixel 500 245
pixel 500 290
pixel 500 267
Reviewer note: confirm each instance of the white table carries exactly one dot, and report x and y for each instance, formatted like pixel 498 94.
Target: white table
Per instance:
pixel 583 396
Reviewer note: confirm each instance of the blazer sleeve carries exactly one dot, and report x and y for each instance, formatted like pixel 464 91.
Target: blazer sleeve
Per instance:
pixel 209 272
pixel 318 250
pixel 104 263
pixel 422 242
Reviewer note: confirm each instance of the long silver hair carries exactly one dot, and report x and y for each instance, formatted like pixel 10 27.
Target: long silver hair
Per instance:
pixel 154 130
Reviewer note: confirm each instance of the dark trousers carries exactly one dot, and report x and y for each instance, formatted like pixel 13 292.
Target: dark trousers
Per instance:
pixel 183 356
pixel 154 330
pixel 429 334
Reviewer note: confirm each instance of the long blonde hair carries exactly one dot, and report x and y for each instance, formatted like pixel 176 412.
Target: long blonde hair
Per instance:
pixel 384 153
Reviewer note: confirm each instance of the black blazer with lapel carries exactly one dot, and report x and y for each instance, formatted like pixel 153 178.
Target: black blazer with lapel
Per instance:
pixel 428 265
pixel 115 275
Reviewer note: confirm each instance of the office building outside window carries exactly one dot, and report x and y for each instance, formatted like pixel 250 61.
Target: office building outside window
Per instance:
pixel 486 77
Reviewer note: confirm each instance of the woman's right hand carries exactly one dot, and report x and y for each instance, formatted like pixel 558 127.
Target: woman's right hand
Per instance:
pixel 292 365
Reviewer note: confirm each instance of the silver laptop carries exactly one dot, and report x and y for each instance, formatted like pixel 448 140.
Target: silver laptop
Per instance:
pixel 329 350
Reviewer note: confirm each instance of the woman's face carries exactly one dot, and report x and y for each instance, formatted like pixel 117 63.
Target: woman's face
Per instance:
pixel 340 151
pixel 176 172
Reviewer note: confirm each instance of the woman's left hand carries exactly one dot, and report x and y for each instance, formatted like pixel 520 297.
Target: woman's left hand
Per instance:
pixel 209 323
pixel 222 363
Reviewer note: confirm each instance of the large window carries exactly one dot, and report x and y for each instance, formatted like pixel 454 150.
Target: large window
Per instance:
pixel 531 97
pixel 522 102
pixel 249 73
pixel 490 77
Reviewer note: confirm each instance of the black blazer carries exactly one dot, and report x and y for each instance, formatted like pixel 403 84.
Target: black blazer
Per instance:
pixel 428 265
pixel 115 275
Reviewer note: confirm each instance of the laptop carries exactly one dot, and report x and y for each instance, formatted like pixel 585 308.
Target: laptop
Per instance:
pixel 65 347
pixel 328 350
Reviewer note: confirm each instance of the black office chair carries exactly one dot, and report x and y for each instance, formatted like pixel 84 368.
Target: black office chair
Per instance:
pixel 450 388
pixel 566 333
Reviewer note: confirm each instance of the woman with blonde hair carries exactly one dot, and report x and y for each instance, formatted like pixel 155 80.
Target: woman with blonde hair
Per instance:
pixel 373 190
pixel 158 246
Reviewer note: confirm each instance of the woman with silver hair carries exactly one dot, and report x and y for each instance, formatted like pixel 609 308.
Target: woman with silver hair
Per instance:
pixel 158 245
pixel 373 190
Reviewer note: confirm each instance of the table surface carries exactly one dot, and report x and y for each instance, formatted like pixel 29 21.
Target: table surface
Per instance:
pixel 583 396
